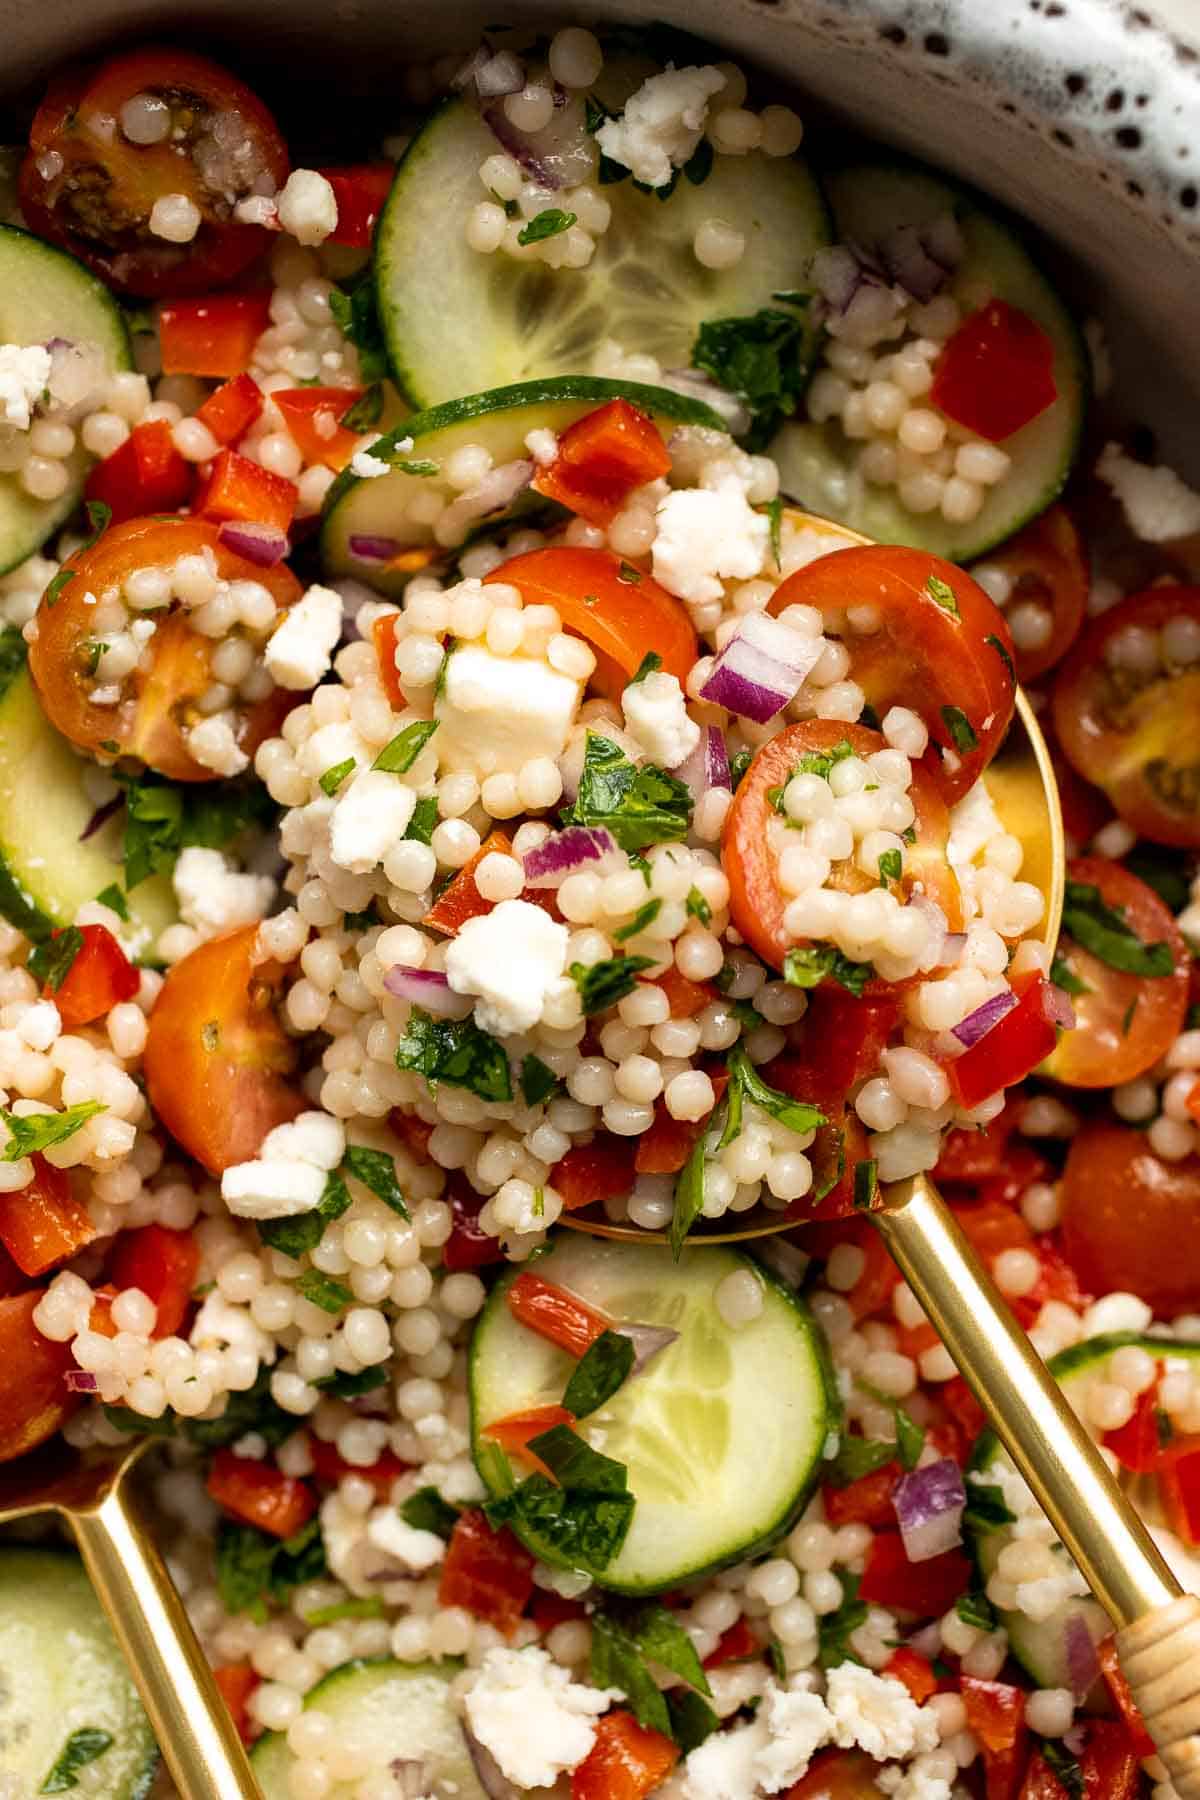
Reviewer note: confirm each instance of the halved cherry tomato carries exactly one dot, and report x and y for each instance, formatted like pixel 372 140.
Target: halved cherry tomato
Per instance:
pixel 383 634
pixel 1012 1049
pixel 590 1174
pixel 601 459
pixel 217 1059
pixel 1047 565
pixel 232 410
pixel 236 1682
pixel 214 336
pixel 756 900
pixel 163 1264
pixel 996 373
pixel 514 1431
pixel 1126 1216
pixel 100 976
pixel 1132 733
pixel 627 1761
pixel 1123 1023
pixel 34 1400
pixel 996 1714
pixel 87 185
pixel 44 1223
pixel 238 488
pixel 360 190
pixel 151 721
pixel 596 595
pixel 943 648
pixel 837 1775
pixel 329 1465
pixel 146 474
pixel 487 1571
pixel 555 1314
pixel 313 417
pixel 259 1494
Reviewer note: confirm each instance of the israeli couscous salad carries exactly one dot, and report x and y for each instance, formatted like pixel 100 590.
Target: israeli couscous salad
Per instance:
pixel 505 643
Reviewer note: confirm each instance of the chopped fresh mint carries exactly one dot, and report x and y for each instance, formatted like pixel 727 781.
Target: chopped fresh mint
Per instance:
pixel 377 1171
pixel 603 984
pixel 835 1630
pixel 961 730
pixel 323 1291
pixel 774 512
pixel 638 804
pixel 424 820
pixel 1102 930
pixel 113 897
pixel 370 1606
pixel 986 1508
pixel 50 963
pixel 600 1371
pixel 343 1386
pixel 645 915
pixel 891 867
pixel 943 595
pixel 1001 650
pixel 1064 976
pixel 399 756
pixel 53 593
pixel 974 1608
pixel 763 358
pixel 697 906
pixel 333 778
pixel 866 1184
pixel 649 665
pixel 910 1437
pixel 30 1133
pixel 256 1570
pixel 302 1232
pixel 427 1511
pixel 366 411
pixel 808 966
pixel 858 1456
pixel 457 1052
pixel 82 1747
pixel 745 1083
pixel 99 514
pixel 550 222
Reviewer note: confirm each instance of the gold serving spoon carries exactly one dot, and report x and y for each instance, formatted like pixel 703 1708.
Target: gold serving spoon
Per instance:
pixel 1158 1626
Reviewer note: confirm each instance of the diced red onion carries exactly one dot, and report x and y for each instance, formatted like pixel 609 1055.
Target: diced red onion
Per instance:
pixel 564 853
pixel 977 1024
pixel 708 765
pixel 928 1641
pixel 101 816
pixel 498 74
pixel 373 549
pixel 77 373
pixel 929 1504
pixel 696 385
pixel 909 263
pixel 1058 1007
pixel 465 76
pixel 497 491
pixel 953 945
pixel 835 272
pixel 492 1779
pixel 264 545
pixel 936 920
pixel 648 1342
pixel 80 1381
pixel 1076 1738
pixel 761 668
pixel 1079 1650
pixel 57 343
pixel 427 988
pixel 562 154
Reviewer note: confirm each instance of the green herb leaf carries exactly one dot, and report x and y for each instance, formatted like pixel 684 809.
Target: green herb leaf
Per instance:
pixel 910 1437
pixel 943 595
pixel 617 1662
pixel 866 1184
pixel 659 1636
pixel 835 1630
pixel 645 915
pixel 651 662
pixel 600 1371
pixel 602 984
pixel 961 731
pixel 1064 976
pixel 323 1291
pixel 745 1083
pixel 813 762
pixel 584 1526
pixel 986 1509
pixel 427 1511
pixel 574 1464
pixel 594 115
pixel 638 803
pixel 1058 1758
pixel 123 1418
pixel 41 1131
pixel 96 650
pixel 763 358
pixel 82 1747
pixel 976 1609
pixel 547 224
pixel 352 307
pixel 53 593
pixel 808 966
pixel 50 963
pixel 114 899
pixel 256 1571
pixel 399 756
pixel 377 1171
pixel 632 577
pixel 692 1718
pixel 774 512
pixel 697 907
pixel 99 514
pixel 538 1082
pixel 343 1386
pixel 369 1607
pixel 891 867
pixel 367 410
pixel 1002 652
pixel 249 1409
pixel 301 1232
pixel 163 818
pixel 1102 930
pixel 333 778
pixel 856 1457
pixel 457 1052
pixel 422 466
pixel 424 820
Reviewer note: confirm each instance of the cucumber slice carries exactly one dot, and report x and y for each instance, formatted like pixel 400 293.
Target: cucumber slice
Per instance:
pixel 61 1673
pixel 457 321
pixel 46 871
pixel 723 1434
pixel 44 294
pixel 397 1711
pixel 379 506
pixel 817 463
pixel 1038 1644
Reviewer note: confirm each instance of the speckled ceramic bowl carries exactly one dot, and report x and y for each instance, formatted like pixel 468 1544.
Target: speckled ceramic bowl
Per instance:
pixel 1083 115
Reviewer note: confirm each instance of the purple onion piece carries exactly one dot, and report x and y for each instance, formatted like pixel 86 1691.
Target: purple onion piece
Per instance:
pixel 373 549
pixel 695 385
pixel 80 1381
pixel 648 1342
pixel 561 154
pixel 927 1642
pixel 953 945
pixel 977 1024
pixel 101 816
pixel 707 766
pixel 467 72
pixel 1059 1007
pixel 929 1504
pixel 427 988
pixel 499 74
pixel 909 264
pixel 263 545
pixel 761 668
pixel 1079 1649
pixel 565 852
pixel 492 1779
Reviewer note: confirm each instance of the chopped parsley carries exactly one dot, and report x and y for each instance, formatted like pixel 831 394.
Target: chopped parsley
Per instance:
pixel 774 512
pixel 354 312
pixel 424 820
pixel 399 756
pixel 547 224
pixel 1058 1758
pixel 624 1643
pixel 82 1747
pixel 974 1608
pixel 745 1083
pixel 162 818
pixel 602 984
pixel 600 1371
pixel 114 899
pixel 53 593
pixel 50 963
pixel 649 665
pixel 891 867
pixel 807 966
pixel 538 1082
pixel 342 1386
pixel 639 805
pixel 1064 976
pixel 1002 652
pixel 813 762
pixel 377 1171
pixel 457 1052
pixel 331 1296
pixel 249 1409
pixel 583 1514
pixel 333 777
pixel 698 166
pixel 256 1570
pixel 986 1508
pixel 303 1231
pixel 835 1630
pixel 95 651
pixel 1102 930
pixel 31 1133
pixel 427 1511
pixel 961 731
pixel 763 358
pixel 942 594
pixel 99 514
pixel 645 915
pixel 910 1437
pixel 739 762
pixel 858 1456
pixel 370 1606
pixel 632 578
pixel 366 410
pixel 697 906
pixel 866 1184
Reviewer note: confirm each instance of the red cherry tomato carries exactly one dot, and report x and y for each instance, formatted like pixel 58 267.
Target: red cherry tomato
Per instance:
pixel 1128 1218
pixel 942 647
pixel 1129 721
pixel 757 902
pixel 1123 1023
pixel 87 184
pixel 1048 567
pixel 34 1400
pixel 360 190
pixel 996 373
pixel 157 704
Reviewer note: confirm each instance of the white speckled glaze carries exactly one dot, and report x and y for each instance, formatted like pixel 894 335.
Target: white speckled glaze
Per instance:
pixel 1082 115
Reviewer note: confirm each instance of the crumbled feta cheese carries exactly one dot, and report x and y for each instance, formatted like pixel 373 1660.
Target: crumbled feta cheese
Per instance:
pixel 40 1025
pixel 1157 504
pixel 257 209
pixel 213 896
pixel 912 1783
pixel 364 464
pixel 272 1189
pixel 510 957
pixel 498 712
pixel 662 123
pixel 657 715
pixel 542 445
pixel 417 1550
pixel 768 1755
pixel 724 1767
pixel 24 373
pixel 877 1714
pixel 307 207
pixel 214 746
pixel 370 815
pixel 974 822
pixel 534 1719
pixel 705 536
pixel 313 1138
pixel 301 646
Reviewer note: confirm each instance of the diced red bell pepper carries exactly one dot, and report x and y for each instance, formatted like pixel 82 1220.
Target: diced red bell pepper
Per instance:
pixel 163 1264
pixel 514 1431
pixel 100 976
pixel 460 899
pixel 996 1715
pixel 1180 1488
pixel 236 1682
pixel 626 1762
pixel 996 372
pixel 963 1408
pixel 666 1146
pixel 841 1037
pixel 974 1154
pixel 1123 1700
pixel 469 1246
pixel 313 416
pixel 43 1223
pixel 1014 1047
pixel 384 634
pixel 914 1670
pixel 1148 1443
pixel 146 474
pixel 548 1609
pixel 555 1314
pixel 213 336
pixel 734 1645
pixel 867 1501
pixel 925 1588
pixel 360 190
pixel 329 1466
pixel 260 1494
pixel 232 410
pixel 685 998
pixel 1110 1761
pixel 486 1571
pixel 590 1174
pixel 240 489
pixel 601 459
pixel 837 1775
pixel 1041 1783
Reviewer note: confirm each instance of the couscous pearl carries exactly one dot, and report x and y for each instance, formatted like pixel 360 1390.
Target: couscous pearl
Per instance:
pixel 782 131
pixel 718 244
pixel 575 57
pixel 175 217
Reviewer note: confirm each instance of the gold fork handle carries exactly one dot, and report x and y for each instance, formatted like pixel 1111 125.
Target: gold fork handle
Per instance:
pixel 190 1719
pixel 1160 1643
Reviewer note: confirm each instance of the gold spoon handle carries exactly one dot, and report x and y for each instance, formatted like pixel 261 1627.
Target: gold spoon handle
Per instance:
pixel 190 1719
pixel 1159 1644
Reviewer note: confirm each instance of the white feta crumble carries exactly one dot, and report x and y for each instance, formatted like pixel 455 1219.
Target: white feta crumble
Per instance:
pixel 657 716
pixel 662 123
pixel 499 712
pixel 510 958
pixel 367 466
pixel 417 1550
pixel 723 1767
pixel 705 536
pixel 370 815
pixel 24 373
pixel 272 1189
pixel 542 445
pixel 307 207
pixel 534 1719
pixel 876 1713
pixel 213 744
pixel 1157 504
pixel 299 650
pixel 312 1137
pixel 912 1783
pixel 767 1756
pixel 213 896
